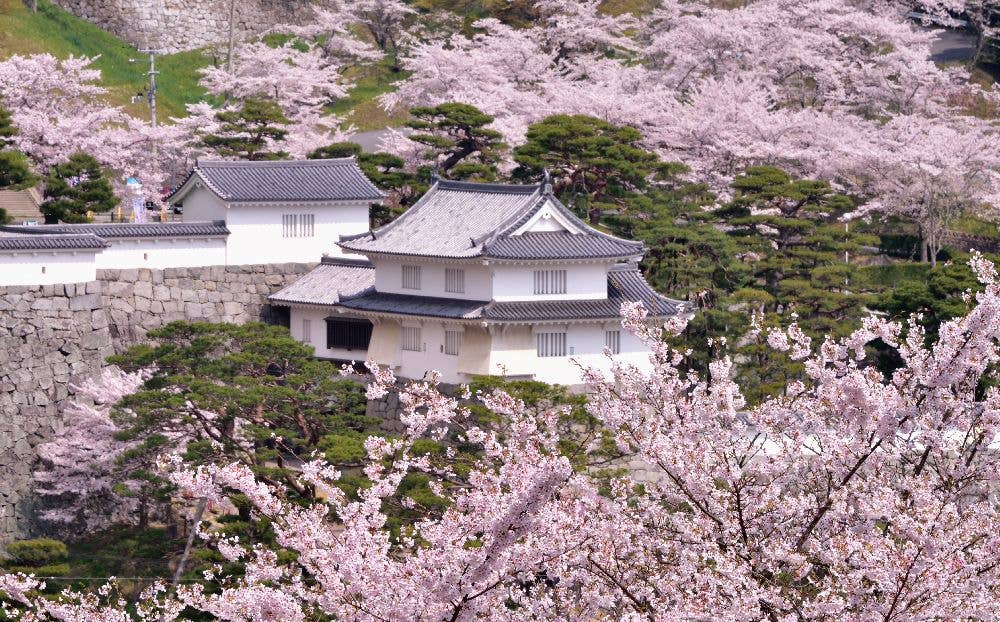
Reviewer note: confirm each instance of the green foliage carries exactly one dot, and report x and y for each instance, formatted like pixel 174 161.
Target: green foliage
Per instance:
pixel 42 557
pixel 460 142
pixel 15 169
pixel 247 132
pixel 936 295
pixel 593 162
pixel 75 188
pixel 60 33
pixel 336 150
pixel 386 171
pixel 245 392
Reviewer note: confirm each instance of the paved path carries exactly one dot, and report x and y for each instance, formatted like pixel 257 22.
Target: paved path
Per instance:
pixel 952 46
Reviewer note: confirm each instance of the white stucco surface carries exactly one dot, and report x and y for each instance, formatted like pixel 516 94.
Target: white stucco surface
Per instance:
pixel 163 252
pixel 517 282
pixel 389 279
pixel 46 268
pixel 256 232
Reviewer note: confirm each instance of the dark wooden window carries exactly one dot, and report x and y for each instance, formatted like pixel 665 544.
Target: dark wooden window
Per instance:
pixel 348 334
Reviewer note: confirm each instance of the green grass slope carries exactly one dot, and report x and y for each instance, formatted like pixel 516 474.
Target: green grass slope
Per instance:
pixel 57 32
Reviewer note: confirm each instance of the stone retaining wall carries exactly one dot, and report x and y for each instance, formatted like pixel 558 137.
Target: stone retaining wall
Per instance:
pixel 175 25
pixel 54 335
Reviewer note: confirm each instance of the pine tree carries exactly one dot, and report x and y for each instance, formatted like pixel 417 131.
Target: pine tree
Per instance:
pixel 461 144
pixel 595 164
pixel 248 133
pixel 75 188
pixel 15 169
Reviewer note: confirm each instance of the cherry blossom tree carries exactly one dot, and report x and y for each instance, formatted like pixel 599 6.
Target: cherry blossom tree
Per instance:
pixel 858 494
pixel 816 87
pixel 59 109
pixel 79 467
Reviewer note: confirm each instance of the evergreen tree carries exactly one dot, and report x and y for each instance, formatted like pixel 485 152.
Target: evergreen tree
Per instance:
pixel 594 163
pixel 386 171
pixel 803 255
pixel 75 188
pixel 248 133
pixel 247 393
pixel 461 144
pixel 15 169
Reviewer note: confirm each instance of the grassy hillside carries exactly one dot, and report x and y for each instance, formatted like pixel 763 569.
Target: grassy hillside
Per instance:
pixel 57 32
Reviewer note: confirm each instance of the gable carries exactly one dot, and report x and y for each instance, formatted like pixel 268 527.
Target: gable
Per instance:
pixel 546 219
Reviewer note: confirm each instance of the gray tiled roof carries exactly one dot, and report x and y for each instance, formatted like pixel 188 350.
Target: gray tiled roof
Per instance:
pixel 561 245
pixel 461 219
pixel 625 284
pixel 10 241
pixel 327 283
pixel 416 305
pixel 128 230
pixel 337 179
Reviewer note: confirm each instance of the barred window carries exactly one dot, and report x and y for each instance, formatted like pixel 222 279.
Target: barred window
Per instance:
pixel 306 331
pixel 454 280
pixel 613 341
pixel 411 277
pixel 452 342
pixel 550 281
pixel 298 225
pixel 348 334
pixel 550 344
pixel 411 339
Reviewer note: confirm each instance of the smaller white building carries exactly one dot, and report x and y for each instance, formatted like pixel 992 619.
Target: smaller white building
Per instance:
pixel 144 245
pixel 280 211
pixel 479 279
pixel 45 260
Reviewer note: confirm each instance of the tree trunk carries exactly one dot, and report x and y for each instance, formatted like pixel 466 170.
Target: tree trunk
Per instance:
pixel 195 522
pixel 33 5
pixel 923 250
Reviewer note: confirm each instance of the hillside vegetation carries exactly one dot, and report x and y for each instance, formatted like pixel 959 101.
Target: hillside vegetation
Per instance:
pixel 57 32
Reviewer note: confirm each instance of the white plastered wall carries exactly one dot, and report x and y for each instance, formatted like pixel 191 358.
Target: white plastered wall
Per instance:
pixel 47 268
pixel 257 234
pixel 389 279
pixel 161 252
pixel 583 282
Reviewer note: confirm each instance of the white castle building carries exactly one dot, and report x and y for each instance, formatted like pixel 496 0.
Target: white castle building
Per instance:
pixel 235 213
pixel 478 279
pixel 474 279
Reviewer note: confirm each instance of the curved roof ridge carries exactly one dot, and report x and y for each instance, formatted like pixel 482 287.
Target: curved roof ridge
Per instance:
pixel 273 163
pixel 476 186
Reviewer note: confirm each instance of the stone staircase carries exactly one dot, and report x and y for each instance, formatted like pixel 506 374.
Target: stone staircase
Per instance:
pixel 22 205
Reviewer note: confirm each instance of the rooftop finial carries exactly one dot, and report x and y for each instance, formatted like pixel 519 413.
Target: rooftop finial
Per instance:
pixel 435 173
pixel 546 182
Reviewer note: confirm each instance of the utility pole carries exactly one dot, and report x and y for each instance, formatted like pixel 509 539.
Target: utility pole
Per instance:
pixel 151 94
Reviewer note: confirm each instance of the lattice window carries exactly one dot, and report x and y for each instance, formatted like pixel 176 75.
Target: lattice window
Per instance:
pixel 347 334
pixel 411 277
pixel 454 280
pixel 550 281
pixel 613 341
pixel 298 225
pixel 411 339
pixel 452 342
pixel 306 330
pixel 550 344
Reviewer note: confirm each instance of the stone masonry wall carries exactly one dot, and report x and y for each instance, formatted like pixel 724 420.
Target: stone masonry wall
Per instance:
pixel 175 25
pixel 52 336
